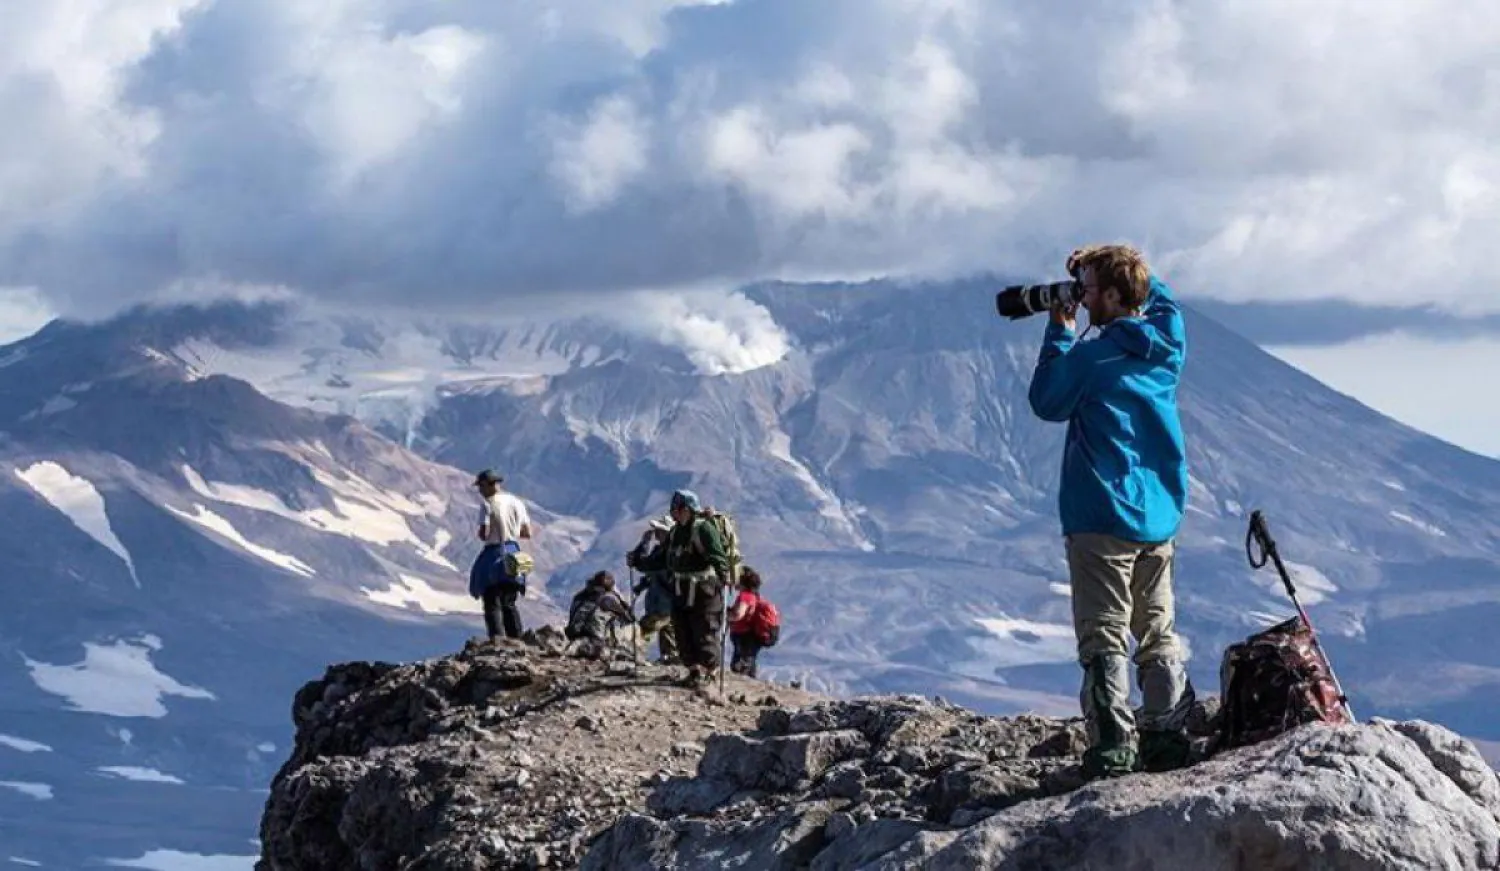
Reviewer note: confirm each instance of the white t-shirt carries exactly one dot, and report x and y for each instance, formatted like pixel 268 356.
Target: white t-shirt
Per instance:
pixel 505 514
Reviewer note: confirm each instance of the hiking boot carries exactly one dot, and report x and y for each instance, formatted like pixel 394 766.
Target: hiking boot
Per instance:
pixel 1109 762
pixel 1105 699
pixel 1163 750
pixel 1167 695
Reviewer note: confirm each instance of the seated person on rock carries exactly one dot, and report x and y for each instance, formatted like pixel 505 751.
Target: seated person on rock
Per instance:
pixel 595 612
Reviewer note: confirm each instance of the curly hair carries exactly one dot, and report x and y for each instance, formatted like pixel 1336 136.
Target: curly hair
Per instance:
pixel 1122 267
pixel 749 579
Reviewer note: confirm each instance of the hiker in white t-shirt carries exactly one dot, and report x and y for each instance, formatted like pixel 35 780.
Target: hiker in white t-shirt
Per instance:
pixel 503 522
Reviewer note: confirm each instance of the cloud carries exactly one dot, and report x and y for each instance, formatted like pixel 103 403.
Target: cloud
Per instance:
pixel 23 311
pixel 461 153
pixel 595 159
pixel 719 332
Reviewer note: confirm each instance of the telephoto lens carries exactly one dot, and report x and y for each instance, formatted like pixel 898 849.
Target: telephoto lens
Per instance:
pixel 1024 300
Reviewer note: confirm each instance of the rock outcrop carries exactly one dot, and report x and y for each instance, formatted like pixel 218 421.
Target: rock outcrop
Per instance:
pixel 510 755
pixel 903 784
pixel 515 756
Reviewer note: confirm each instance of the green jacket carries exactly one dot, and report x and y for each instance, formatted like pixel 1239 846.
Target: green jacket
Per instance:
pixel 691 549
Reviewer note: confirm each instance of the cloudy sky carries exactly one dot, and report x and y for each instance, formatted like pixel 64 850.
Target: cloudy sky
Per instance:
pixel 1266 154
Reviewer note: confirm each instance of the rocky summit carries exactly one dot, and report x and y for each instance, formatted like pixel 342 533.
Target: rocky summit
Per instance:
pixel 519 754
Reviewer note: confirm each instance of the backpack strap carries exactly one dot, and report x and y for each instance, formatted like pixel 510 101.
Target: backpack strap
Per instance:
pixel 693 542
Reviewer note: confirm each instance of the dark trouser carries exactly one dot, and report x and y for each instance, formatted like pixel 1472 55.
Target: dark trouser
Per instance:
pixel 500 607
pixel 698 624
pixel 746 647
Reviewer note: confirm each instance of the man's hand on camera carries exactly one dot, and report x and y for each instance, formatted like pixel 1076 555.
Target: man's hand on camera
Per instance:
pixel 1065 314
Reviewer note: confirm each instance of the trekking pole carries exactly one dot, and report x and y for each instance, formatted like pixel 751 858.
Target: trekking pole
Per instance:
pixel 635 626
pixel 1260 534
pixel 723 637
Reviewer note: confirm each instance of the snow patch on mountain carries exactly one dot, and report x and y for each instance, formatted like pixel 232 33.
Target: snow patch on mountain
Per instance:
pixel 54 405
pixel 1419 524
pixel 1313 585
pixel 375 371
pixel 22 745
pixel 364 512
pixel 1013 642
pixel 216 523
pixel 417 592
pixel 173 860
pixel 434 554
pixel 118 679
pixel 14 357
pixel 139 774
pixel 616 437
pixel 358 489
pixel 779 445
pixel 1200 495
pixel 1262 619
pixel 38 791
pixel 80 501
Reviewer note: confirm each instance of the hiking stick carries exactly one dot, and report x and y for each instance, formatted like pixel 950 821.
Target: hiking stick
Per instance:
pixel 723 636
pixel 635 626
pixel 1260 533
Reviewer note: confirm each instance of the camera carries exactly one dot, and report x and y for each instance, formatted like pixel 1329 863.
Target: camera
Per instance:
pixel 1023 300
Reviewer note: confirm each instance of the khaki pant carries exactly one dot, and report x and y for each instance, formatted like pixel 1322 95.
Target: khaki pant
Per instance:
pixel 666 634
pixel 1123 588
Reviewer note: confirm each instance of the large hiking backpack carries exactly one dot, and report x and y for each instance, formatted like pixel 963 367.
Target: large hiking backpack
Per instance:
pixel 585 618
pixel 1273 682
pixel 724 523
pixel 766 623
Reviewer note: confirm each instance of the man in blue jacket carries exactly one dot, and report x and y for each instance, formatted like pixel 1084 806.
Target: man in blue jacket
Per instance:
pixel 1124 488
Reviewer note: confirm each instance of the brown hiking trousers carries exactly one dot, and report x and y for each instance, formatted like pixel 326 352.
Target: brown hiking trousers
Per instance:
pixel 666 634
pixel 1122 587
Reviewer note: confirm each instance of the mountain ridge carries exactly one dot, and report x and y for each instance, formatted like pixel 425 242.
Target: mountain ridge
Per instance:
pixel 889 480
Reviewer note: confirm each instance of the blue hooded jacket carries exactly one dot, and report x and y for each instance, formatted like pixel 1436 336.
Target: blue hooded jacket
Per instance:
pixel 1124 469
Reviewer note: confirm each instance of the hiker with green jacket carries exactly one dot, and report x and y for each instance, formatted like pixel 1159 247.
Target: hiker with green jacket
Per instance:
pixel 697 567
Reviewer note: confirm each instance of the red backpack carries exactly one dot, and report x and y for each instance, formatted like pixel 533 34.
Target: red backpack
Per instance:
pixel 766 623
